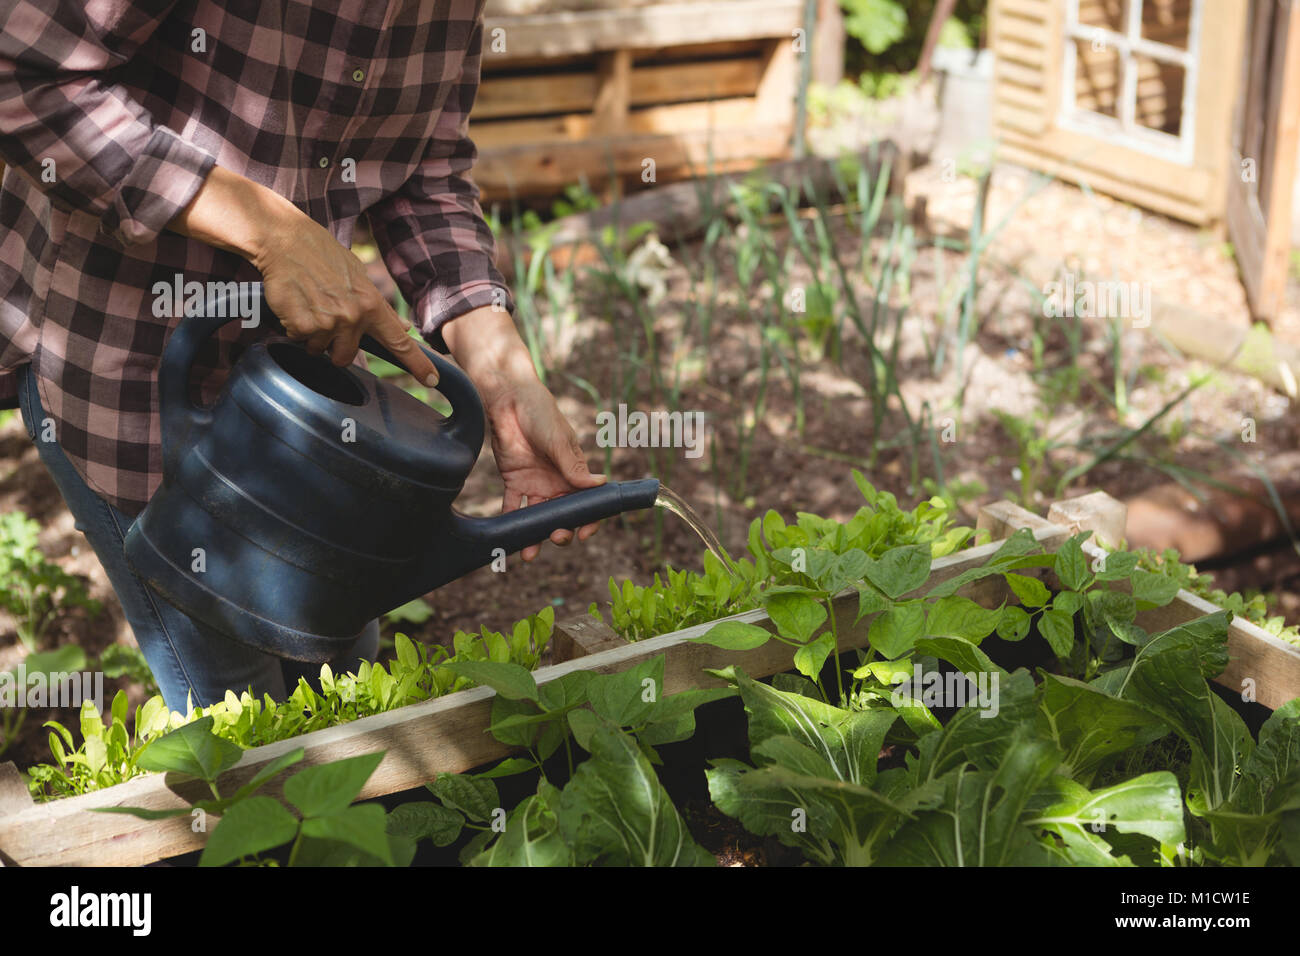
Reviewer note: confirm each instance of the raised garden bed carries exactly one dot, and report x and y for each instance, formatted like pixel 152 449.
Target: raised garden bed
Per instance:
pixel 450 734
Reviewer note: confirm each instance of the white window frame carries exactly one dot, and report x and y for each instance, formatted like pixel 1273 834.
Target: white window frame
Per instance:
pixel 1125 130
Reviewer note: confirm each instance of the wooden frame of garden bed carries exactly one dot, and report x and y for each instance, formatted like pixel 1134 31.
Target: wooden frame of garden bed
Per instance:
pixel 449 734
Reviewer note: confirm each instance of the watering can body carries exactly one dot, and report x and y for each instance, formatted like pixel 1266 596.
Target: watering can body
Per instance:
pixel 309 499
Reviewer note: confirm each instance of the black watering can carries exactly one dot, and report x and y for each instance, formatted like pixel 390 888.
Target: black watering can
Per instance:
pixel 310 499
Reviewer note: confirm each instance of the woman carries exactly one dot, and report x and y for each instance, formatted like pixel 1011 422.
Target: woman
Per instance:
pixel 241 141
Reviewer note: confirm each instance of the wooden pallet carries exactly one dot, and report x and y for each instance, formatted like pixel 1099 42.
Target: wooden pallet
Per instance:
pixel 698 87
pixel 450 733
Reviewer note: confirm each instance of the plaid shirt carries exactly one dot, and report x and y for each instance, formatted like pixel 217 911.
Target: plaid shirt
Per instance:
pixel 126 106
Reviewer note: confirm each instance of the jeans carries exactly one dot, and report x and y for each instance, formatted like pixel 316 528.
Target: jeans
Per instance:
pixel 189 660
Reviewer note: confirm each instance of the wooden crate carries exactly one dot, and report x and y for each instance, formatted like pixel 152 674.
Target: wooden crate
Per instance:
pixel 596 93
pixel 450 733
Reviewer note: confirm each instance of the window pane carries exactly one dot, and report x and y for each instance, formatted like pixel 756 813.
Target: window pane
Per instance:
pixel 1102 13
pixel 1097 78
pixel 1167 21
pixel 1159 95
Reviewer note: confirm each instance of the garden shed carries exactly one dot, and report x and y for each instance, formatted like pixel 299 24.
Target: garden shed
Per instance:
pixel 1185 107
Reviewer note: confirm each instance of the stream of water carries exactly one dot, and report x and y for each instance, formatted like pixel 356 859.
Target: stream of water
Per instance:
pixel 671 501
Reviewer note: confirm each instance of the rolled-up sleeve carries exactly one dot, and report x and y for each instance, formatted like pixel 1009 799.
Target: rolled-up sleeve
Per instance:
pixel 431 231
pixel 80 138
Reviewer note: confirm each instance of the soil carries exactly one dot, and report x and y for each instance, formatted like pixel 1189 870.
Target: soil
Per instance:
pixel 1059 227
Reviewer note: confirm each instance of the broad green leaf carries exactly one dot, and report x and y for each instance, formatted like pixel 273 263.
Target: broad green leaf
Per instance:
pixel 980 821
pixel 1057 628
pixel 508 768
pixel 628 698
pixel 1071 602
pixel 532 835
pixel 506 678
pixel 961 653
pixel 280 763
pixel 582 724
pixel 1117 566
pixel 330 787
pixel 1031 591
pixel 1150 805
pixel 869 602
pixel 1014 625
pixel 849 741
pixel 796 616
pixel 1072 564
pixel 776 812
pixel 1165 677
pixel 248 828
pixel 809 659
pixel 190 749
pixel 1092 728
pixel 614 811
pixel 517 722
pixel 956 616
pixel 565 691
pixel 474 796
pixel 425 821
pixel 66 659
pixel 363 826
pixel 1153 589
pixel 894 632
pixel 900 570
pixel 734 636
pixel 981 735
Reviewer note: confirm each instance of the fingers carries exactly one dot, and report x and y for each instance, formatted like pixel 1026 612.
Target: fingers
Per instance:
pixel 343 350
pixel 390 332
pixel 566 454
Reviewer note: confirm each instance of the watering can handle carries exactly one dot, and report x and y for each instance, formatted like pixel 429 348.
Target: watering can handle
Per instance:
pixel 179 414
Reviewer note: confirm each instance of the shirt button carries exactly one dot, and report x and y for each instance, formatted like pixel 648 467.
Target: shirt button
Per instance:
pixel 323 162
pixel 358 75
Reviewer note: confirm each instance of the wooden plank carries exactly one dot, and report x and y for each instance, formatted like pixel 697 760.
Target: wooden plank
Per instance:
pixel 582 637
pixel 613 93
pixel 1284 134
pixel 1024 33
pixel 1016 51
pixel 828 44
pixel 1098 512
pixel 1027 9
pixel 419 741
pixel 529 170
pixel 1258 661
pixel 14 795
pixel 1181 194
pixel 560 34
pixel 774 98
pixel 1019 96
pixel 1007 71
pixel 1008 116
pixel 576 127
pixel 1001 519
pixel 1265 666
pixel 530 95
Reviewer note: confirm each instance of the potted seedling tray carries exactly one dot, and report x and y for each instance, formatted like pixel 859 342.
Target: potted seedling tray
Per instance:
pixel 449 734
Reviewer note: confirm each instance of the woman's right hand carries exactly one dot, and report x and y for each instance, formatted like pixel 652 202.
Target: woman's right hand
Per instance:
pixel 318 289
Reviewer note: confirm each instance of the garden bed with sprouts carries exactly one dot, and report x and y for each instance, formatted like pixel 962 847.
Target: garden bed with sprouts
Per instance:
pixel 864 747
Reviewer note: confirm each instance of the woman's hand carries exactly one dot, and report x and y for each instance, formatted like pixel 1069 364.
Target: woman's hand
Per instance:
pixel 536 449
pixel 317 288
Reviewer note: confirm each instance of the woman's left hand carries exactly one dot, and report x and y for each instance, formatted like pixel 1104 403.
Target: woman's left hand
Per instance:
pixel 536 449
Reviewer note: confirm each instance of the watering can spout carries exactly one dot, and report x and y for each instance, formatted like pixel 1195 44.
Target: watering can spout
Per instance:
pixel 473 542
